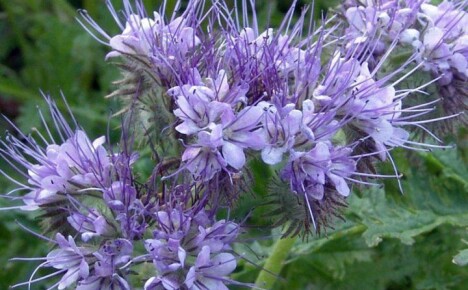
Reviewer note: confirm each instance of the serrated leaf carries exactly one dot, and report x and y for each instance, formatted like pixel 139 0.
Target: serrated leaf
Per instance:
pixel 435 194
pixel 348 263
pixel 385 218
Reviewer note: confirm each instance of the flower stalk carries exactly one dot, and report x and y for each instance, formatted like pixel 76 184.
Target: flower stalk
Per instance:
pixel 274 264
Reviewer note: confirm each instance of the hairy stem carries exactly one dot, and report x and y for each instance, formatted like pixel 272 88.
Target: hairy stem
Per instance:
pixel 273 265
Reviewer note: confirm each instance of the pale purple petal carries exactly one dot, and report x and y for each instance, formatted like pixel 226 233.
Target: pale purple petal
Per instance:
pixel 234 155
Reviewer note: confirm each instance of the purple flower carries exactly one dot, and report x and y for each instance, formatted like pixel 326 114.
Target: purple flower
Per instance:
pixel 103 283
pixel 70 259
pixel 91 225
pixel 376 111
pixel 198 111
pixel 227 91
pixel 151 37
pixel 160 52
pixel 199 106
pixel 202 161
pixel 339 78
pixel 444 50
pixel 222 134
pixel 374 25
pixel 288 128
pixel 159 283
pixel 268 50
pixel 371 106
pixel 119 196
pixel 242 132
pixel 192 250
pixel 77 164
pixel 208 272
pixel 364 23
pixel 435 34
pixel 72 165
pixel 112 255
pixel 281 126
pixel 311 172
pixel 223 144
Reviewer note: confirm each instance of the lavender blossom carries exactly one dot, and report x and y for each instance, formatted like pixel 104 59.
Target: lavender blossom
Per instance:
pixel 119 196
pixel 435 34
pixel 226 91
pixel 98 283
pixel 375 25
pixel 222 135
pixel 223 144
pixel 191 250
pixel 152 49
pixel 281 126
pixel 324 165
pixel 74 165
pixel 443 48
pixel 207 270
pixel 150 37
pixel 94 224
pixel 265 59
pixel 69 259
pixel 113 254
pixel 53 171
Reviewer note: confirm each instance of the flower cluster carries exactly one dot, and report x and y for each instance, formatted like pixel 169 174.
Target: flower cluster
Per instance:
pixel 435 35
pixel 237 90
pixel 190 250
pixel 100 214
pixel 318 106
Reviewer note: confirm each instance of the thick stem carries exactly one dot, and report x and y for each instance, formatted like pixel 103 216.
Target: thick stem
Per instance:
pixel 273 265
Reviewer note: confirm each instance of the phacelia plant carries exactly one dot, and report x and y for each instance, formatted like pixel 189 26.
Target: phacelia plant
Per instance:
pixel 209 91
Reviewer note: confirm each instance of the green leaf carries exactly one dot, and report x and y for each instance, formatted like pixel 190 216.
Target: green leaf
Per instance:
pixel 385 218
pixel 435 194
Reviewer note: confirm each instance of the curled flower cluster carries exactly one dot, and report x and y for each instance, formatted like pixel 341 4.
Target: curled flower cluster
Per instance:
pixel 318 106
pixel 237 90
pixel 102 217
pixel 435 35
pixel 191 251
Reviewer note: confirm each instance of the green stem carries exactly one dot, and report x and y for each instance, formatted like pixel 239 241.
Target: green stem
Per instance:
pixel 273 265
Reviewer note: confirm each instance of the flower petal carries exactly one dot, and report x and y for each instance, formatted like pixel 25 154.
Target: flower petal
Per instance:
pixel 234 155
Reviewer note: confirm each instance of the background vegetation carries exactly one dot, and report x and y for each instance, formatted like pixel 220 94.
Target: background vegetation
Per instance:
pixel 388 241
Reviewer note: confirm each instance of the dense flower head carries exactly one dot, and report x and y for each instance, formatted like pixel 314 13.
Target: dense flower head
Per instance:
pixel 191 250
pixel 373 23
pixel 54 171
pixel 222 132
pixel 318 106
pixel 112 215
pixel 264 57
pixel 435 34
pixel 110 256
pixel 151 37
pixel 309 172
pixel 444 49
pixel 92 270
pixel 375 109
pixel 164 47
pixel 273 91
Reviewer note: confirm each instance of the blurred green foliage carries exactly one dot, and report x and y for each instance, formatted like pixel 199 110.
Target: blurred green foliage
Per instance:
pixel 389 240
